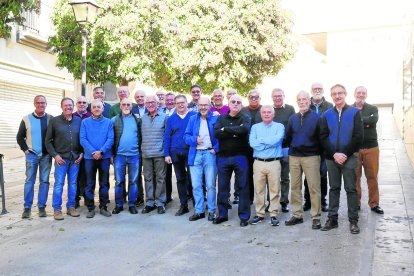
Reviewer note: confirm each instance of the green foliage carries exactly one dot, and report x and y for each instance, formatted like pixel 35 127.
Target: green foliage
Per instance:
pixel 176 43
pixel 10 13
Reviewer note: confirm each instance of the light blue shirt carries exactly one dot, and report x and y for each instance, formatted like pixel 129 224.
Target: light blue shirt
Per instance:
pixel 128 144
pixel 266 140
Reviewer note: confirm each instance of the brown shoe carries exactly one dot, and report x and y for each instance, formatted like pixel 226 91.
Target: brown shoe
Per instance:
pixel 57 215
pixel 316 224
pixel 72 212
pixel 330 224
pixel 293 221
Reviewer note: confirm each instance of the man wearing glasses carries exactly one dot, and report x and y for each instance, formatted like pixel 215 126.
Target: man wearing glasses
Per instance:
pixel 232 132
pixel 176 150
pixel 123 92
pixel 153 160
pixel 196 92
pixel 161 97
pixel 31 139
pixel 82 113
pixel 127 137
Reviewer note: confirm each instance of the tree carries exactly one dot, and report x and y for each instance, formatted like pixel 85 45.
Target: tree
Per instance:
pixel 10 13
pixel 176 43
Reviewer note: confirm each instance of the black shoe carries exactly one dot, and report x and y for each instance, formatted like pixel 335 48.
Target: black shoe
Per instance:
pixel 117 210
pixel 183 210
pixel 139 202
pixel 133 210
pixel 285 208
pixel 229 205
pixel 148 209
pixel 211 216
pixel 316 224
pixel 377 210
pixel 244 222
pixel 26 213
pixel 219 220
pixel 293 221
pixel 42 212
pixel 197 217
pixel 256 220
pixel 160 210
pixel 324 208
pixel 236 200
pixel 330 224
pixel 353 227
pixel 306 206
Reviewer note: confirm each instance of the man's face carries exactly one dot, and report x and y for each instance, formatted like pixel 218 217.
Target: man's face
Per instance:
pixel 40 105
pixel 196 93
pixel 67 107
pixel 203 106
pixel 267 115
pixel 126 106
pixel 218 98
pixel 230 93
pixel 151 104
pixel 99 94
pixel 140 98
pixel 169 101
pixel 181 105
pixel 303 102
pixel 96 108
pixel 161 95
pixel 278 97
pixel 360 95
pixel 235 104
pixel 254 100
pixel 317 91
pixel 123 93
pixel 81 104
pixel 338 95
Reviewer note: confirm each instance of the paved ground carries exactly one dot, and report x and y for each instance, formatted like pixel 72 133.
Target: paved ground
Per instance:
pixel 155 244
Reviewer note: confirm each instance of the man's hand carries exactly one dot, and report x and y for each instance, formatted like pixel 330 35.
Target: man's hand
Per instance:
pixel 26 152
pixel 340 158
pixel 199 140
pixel 168 159
pixel 97 155
pixel 77 161
pixel 213 151
pixel 59 160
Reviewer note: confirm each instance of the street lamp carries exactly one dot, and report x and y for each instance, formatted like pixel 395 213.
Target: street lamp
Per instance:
pixel 85 12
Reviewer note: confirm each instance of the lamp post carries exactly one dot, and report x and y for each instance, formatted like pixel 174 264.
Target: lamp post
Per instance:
pixel 85 13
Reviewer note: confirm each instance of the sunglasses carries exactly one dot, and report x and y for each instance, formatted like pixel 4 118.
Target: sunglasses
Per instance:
pixel 82 102
pixel 253 97
pixel 235 102
pixel 126 104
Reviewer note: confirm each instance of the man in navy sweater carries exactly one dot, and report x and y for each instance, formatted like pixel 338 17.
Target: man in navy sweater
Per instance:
pixel 302 136
pixel 176 150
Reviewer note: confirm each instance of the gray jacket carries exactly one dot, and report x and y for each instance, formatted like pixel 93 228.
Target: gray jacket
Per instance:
pixel 153 135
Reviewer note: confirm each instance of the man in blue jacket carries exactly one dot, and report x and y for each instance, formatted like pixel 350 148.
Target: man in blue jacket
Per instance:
pixel 202 158
pixel 176 150
pixel 97 139
pixel 341 137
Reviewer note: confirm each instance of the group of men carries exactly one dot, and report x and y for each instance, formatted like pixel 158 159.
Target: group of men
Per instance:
pixel 205 142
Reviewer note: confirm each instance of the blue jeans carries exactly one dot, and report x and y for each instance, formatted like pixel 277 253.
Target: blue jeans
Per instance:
pixel 182 173
pixel 121 163
pixel 71 170
pixel 44 163
pixel 91 167
pixel 204 165
pixel 226 166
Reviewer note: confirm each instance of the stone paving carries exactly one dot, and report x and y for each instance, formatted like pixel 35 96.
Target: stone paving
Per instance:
pixel 155 244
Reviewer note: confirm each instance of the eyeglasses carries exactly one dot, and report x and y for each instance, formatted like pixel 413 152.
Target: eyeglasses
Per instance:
pixel 126 104
pixel 217 96
pixel 195 91
pixel 203 105
pixel 150 103
pixel 82 102
pixel 254 97
pixel 178 103
pixel 39 103
pixel 235 102
pixel 277 96
pixel 122 91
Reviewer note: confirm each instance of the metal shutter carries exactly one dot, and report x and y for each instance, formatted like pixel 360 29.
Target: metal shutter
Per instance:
pixel 16 100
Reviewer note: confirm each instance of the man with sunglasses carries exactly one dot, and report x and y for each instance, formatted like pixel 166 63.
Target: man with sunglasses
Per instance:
pixel 82 113
pixel 196 92
pixel 232 132
pixel 127 138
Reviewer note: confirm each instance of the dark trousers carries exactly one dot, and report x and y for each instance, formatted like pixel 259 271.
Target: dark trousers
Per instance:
pixel 102 167
pixel 324 184
pixel 250 181
pixel 168 181
pixel 348 172
pixel 284 181
pixel 182 173
pixel 140 196
pixel 225 167
pixel 81 181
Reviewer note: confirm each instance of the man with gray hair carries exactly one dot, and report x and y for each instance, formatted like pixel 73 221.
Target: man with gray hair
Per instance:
pixel 123 92
pixel 218 108
pixel 99 94
pixel 302 136
pixel 153 160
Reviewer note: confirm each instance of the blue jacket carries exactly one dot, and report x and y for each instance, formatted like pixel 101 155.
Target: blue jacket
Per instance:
pixel 343 133
pixel 302 134
pixel 192 131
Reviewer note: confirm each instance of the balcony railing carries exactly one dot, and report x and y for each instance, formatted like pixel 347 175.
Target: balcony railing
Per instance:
pixel 32 21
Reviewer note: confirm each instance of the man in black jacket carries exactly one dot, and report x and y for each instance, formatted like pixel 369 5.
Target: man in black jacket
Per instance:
pixel 369 152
